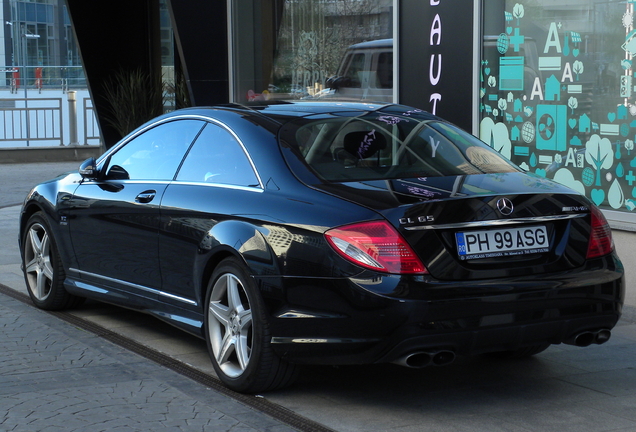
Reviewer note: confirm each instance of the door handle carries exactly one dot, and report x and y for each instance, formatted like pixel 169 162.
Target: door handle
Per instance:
pixel 145 197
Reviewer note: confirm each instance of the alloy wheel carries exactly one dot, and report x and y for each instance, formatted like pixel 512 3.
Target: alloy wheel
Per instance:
pixel 230 325
pixel 38 264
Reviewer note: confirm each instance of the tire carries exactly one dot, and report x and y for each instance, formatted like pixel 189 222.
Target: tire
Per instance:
pixel 43 270
pixel 520 353
pixel 237 333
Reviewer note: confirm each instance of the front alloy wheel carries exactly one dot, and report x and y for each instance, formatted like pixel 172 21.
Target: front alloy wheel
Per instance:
pixel 37 258
pixel 43 269
pixel 237 333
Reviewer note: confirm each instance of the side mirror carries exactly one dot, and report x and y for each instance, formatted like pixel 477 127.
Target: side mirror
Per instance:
pixel 335 82
pixel 88 169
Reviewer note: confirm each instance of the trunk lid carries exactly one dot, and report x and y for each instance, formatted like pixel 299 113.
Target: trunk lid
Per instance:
pixel 477 226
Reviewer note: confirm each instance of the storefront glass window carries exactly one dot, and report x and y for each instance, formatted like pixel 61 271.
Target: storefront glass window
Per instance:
pixel 558 93
pixel 298 49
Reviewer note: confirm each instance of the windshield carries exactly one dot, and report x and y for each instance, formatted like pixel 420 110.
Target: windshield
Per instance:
pixel 381 145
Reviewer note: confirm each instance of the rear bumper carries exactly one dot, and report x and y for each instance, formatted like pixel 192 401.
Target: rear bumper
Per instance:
pixel 380 319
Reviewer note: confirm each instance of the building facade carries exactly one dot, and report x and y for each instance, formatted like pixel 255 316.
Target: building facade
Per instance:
pixel 38 43
pixel 548 83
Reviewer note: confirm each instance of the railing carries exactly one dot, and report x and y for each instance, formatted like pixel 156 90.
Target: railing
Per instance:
pixel 24 123
pixel 91 127
pixel 48 121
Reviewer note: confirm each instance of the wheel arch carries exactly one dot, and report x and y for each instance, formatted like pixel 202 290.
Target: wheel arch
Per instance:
pixel 28 210
pixel 243 241
pixel 211 264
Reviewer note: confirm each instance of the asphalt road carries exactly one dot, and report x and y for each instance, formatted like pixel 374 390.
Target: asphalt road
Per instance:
pixel 17 179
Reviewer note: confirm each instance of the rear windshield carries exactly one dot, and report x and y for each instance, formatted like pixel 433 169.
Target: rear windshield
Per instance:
pixel 379 145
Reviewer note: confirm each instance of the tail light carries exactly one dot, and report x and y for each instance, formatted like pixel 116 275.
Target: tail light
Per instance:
pixel 601 242
pixel 377 246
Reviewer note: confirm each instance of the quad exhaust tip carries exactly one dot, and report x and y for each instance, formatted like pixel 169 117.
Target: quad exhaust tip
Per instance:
pixel 421 359
pixel 588 338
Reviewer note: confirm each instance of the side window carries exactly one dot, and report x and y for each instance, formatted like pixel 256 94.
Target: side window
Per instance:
pixel 156 153
pixel 217 157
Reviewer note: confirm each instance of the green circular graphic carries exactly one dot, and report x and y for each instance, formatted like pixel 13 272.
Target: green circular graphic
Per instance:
pixel 625 130
pixel 587 176
pixel 503 43
pixel 527 132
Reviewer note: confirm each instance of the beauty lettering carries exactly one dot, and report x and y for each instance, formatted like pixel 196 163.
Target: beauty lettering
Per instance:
pixel 435 65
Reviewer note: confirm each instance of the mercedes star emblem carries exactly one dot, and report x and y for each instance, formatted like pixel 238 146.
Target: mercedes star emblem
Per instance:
pixel 505 207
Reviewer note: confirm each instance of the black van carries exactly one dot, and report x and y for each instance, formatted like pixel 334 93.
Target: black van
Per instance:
pixel 366 72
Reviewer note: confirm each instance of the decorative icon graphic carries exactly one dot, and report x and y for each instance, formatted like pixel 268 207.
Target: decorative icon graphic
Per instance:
pixel 527 132
pixel 616 197
pixel 551 127
pixel 587 176
pixel 546 126
pixel 511 71
pixel 599 154
pixel 569 117
pixel 503 43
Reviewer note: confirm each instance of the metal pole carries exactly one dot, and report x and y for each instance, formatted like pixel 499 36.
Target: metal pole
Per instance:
pixel 72 117
pixel 24 83
pixel 26 36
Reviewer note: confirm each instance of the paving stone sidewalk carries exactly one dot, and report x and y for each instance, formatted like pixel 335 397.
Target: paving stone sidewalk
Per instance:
pixel 56 377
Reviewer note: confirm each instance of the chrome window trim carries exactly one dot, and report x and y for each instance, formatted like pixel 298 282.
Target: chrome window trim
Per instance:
pixel 133 285
pixel 148 182
pixel 101 160
pixel 219 185
pixel 498 222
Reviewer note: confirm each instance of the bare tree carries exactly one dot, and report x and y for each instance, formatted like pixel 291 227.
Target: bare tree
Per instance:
pixel 315 34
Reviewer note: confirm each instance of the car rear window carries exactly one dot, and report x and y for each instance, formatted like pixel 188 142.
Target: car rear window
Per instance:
pixel 381 145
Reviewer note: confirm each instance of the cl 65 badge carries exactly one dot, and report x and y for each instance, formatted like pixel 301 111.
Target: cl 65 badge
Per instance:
pixel 420 219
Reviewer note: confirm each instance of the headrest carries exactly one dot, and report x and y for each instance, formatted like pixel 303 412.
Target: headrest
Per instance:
pixel 364 144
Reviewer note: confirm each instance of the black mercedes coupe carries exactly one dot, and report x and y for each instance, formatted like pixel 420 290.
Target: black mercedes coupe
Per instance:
pixel 324 233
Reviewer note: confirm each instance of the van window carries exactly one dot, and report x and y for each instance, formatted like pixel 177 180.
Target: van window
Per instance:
pixel 384 68
pixel 355 70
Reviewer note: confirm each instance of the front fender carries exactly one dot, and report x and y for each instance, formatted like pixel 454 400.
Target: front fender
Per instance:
pixel 52 198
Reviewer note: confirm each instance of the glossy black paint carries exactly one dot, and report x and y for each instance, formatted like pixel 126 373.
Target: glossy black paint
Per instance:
pixel 152 246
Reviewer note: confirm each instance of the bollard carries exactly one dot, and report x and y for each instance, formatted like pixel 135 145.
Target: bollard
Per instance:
pixel 72 117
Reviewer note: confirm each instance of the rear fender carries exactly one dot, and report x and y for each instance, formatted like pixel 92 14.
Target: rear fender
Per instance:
pixel 246 241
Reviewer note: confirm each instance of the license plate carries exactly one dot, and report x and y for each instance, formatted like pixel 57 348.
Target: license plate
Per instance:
pixel 502 242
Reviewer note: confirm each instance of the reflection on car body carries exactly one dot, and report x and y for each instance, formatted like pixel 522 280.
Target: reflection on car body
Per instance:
pixel 324 233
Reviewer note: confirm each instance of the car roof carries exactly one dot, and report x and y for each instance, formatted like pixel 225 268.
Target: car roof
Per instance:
pixel 380 43
pixel 273 114
pixel 281 111
pixel 303 108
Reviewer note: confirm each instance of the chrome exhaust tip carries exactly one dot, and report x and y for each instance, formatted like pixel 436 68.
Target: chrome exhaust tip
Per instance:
pixel 588 338
pixel 603 336
pixel 443 358
pixel 421 359
pixel 584 339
